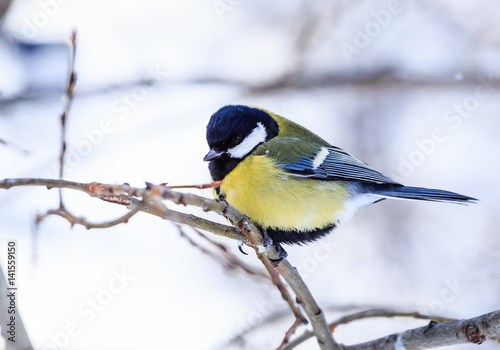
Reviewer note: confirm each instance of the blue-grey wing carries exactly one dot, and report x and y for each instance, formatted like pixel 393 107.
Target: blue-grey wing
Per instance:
pixel 332 163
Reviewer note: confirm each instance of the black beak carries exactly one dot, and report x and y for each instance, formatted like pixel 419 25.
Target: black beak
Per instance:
pixel 211 155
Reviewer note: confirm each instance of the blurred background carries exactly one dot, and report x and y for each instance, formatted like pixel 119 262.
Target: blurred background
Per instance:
pixel 410 87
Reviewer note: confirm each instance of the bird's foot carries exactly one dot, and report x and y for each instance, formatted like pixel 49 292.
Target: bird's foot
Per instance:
pixel 282 255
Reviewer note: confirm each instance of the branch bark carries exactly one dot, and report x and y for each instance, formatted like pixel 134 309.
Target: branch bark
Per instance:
pixel 474 330
pixel 363 315
pixel 305 298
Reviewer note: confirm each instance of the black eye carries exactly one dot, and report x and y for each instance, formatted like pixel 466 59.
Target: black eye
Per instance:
pixel 236 140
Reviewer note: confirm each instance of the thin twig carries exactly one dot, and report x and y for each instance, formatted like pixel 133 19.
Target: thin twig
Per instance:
pixel 273 317
pixel 67 104
pixel 231 257
pixel 214 184
pixel 289 333
pixel 204 250
pixel 10 144
pixel 227 260
pixel 387 313
pixel 74 220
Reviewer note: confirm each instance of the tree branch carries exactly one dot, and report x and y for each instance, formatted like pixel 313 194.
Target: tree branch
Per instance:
pixel 105 192
pixel 367 314
pixel 474 330
pixel 306 300
pixel 246 231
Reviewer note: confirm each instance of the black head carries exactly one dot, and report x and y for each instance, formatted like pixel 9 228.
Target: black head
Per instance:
pixel 234 131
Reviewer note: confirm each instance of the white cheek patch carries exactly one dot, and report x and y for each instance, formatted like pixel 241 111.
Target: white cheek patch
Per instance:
pixel 256 137
pixel 320 157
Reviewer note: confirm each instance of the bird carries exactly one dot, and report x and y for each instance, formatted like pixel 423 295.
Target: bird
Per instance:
pixel 292 184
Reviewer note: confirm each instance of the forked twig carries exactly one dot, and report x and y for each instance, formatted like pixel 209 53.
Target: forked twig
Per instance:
pixel 74 220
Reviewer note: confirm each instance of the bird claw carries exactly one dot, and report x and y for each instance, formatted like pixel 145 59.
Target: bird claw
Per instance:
pixel 282 252
pixel 240 248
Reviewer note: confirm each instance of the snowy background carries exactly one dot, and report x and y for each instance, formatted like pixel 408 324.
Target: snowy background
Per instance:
pixel 410 87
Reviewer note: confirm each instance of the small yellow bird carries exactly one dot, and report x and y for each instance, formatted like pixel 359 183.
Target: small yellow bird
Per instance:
pixel 291 183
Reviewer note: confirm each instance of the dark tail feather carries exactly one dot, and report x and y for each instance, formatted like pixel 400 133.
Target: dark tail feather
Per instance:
pixel 420 193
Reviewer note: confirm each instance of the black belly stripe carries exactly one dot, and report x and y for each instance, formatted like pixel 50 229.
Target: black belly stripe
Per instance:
pixel 295 236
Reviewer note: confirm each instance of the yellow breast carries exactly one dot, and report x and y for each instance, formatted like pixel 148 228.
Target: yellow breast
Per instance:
pixel 272 198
